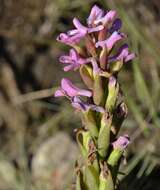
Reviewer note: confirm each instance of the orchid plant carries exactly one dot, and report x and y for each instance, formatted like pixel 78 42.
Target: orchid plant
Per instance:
pixel 98 53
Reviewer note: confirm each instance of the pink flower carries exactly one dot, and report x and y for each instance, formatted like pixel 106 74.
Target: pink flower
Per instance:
pixel 70 90
pixel 121 143
pixel 73 59
pixel 108 18
pixel 123 55
pixel 111 41
pixel 74 36
pixel 95 14
pixel 83 106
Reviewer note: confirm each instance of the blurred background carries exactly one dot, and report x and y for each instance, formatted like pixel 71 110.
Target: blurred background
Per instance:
pixel 37 143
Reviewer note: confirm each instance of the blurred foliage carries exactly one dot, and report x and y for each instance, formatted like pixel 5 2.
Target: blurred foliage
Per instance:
pixel 29 62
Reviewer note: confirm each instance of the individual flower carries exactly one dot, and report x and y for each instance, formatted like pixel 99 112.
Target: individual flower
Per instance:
pixel 121 143
pixel 107 18
pixel 74 36
pixel 70 90
pixel 95 14
pixel 122 55
pixel 111 41
pixel 83 106
pixel 73 59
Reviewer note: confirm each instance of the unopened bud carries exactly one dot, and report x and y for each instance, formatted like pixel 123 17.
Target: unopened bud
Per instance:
pixel 116 66
pixel 118 148
pixel 103 58
pixel 113 90
pixel 83 138
pixel 86 76
pixel 104 135
pixel 98 91
pixel 90 123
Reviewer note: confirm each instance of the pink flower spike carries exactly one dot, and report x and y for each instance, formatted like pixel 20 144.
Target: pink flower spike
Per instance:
pixel 121 143
pixel 96 13
pixel 71 90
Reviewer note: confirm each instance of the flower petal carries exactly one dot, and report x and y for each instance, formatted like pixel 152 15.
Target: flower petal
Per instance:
pixel 79 26
pixel 59 93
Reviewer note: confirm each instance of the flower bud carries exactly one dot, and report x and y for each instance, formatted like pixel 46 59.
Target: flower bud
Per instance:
pixel 103 58
pixel 83 138
pixel 90 123
pixel 116 66
pixel 104 135
pixel 113 90
pixel 86 77
pixel 98 91
pixel 118 148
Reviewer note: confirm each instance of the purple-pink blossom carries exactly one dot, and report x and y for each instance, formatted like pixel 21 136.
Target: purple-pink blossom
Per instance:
pixel 74 60
pixel 70 90
pixel 111 41
pixel 95 14
pixel 107 18
pixel 74 36
pixel 78 104
pixel 122 55
pixel 121 143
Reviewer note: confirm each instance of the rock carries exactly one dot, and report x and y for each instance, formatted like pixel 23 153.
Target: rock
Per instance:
pixel 7 176
pixel 53 163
